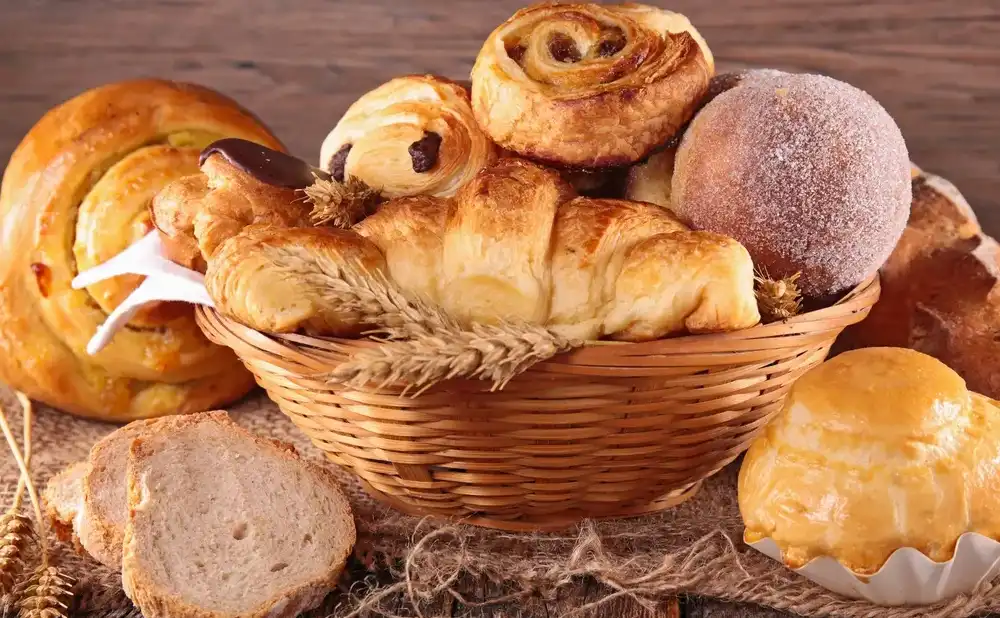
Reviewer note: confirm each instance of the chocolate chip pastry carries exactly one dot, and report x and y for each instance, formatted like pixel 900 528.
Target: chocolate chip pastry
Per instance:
pixel 413 135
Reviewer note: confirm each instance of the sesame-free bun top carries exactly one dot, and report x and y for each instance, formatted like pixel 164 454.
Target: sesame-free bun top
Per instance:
pixel 874 450
pixel 811 174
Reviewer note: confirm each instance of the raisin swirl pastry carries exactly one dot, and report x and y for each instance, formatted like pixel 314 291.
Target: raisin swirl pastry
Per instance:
pixel 413 135
pixel 76 193
pixel 584 85
pixel 515 243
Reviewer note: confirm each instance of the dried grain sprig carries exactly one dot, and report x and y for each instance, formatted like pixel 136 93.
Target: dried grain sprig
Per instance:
pixel 339 204
pixel 777 299
pixel 421 344
pixel 48 592
pixel 495 353
pixel 17 533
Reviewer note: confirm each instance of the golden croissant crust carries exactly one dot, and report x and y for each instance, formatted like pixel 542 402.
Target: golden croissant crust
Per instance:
pixel 874 450
pixel 586 85
pixel 513 244
pixel 77 192
pixel 413 135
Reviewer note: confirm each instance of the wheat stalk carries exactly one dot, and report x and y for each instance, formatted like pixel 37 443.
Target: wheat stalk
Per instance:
pixel 777 299
pixel 421 344
pixel 47 593
pixel 496 353
pixel 16 530
pixel 340 204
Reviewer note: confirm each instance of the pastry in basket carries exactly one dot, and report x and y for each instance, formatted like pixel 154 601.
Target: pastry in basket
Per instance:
pixel 241 183
pixel 809 173
pixel 412 135
pixel 151 490
pixel 874 450
pixel 515 244
pixel 941 289
pixel 75 193
pixel 587 85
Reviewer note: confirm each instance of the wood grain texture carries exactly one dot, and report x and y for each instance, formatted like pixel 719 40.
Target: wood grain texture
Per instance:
pixel 934 64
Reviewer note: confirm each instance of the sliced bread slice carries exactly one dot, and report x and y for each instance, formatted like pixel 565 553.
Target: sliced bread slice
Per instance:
pixel 63 498
pixel 101 525
pixel 224 524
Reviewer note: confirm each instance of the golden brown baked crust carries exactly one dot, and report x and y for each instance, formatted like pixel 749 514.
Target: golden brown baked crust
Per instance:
pixel 874 450
pixel 940 289
pixel 514 244
pixel 585 85
pixel 809 173
pixel 413 135
pixel 276 279
pixel 75 193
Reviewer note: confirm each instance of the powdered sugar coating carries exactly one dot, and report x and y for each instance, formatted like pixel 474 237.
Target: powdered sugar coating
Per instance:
pixel 811 174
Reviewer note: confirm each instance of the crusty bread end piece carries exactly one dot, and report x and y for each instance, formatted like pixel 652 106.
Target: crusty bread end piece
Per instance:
pixel 224 524
pixel 101 525
pixel 63 498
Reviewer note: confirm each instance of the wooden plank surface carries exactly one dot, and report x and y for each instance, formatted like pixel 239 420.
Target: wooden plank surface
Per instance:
pixel 934 64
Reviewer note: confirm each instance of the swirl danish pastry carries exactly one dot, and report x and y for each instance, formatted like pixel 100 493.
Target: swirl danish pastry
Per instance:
pixel 514 244
pixel 76 193
pixel 585 85
pixel 412 135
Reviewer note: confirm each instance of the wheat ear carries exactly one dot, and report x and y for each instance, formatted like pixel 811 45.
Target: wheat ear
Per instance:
pixel 340 204
pixel 422 345
pixel 48 592
pixel 777 299
pixel 17 533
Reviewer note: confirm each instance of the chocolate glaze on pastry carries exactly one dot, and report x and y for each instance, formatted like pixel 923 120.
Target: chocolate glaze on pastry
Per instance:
pixel 266 165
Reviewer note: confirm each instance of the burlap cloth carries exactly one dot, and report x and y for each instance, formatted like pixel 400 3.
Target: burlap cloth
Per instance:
pixel 406 566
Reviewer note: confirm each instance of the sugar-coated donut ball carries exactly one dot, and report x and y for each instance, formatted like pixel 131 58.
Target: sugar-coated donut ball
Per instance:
pixel 810 174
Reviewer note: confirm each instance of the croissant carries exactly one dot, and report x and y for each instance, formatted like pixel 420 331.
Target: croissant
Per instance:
pixel 412 135
pixel 585 85
pixel 241 183
pixel 76 193
pixel 514 244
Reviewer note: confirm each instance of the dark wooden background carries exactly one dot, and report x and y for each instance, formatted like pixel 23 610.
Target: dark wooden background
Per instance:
pixel 934 64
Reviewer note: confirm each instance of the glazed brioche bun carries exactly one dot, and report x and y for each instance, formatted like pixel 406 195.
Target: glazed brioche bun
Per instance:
pixel 810 174
pixel 874 450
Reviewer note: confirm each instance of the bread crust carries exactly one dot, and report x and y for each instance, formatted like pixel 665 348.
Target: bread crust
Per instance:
pixel 940 289
pixel 638 77
pixel 134 137
pixel 154 602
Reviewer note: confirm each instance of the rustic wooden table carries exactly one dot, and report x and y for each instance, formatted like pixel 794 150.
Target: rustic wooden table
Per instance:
pixel 934 64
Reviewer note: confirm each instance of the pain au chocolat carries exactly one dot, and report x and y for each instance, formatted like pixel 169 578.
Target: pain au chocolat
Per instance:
pixel 76 193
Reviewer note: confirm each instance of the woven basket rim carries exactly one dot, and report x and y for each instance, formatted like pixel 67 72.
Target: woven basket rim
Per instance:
pixel 320 353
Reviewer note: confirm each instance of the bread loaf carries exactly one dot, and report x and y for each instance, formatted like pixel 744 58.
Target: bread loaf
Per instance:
pixel 940 289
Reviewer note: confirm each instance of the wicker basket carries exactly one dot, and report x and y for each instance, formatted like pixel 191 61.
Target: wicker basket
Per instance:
pixel 605 431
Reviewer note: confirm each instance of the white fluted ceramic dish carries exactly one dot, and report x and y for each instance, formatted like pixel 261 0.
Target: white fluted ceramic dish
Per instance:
pixel 908 577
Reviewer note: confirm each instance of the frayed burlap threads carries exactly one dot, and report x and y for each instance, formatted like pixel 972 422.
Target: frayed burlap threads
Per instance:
pixel 694 548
